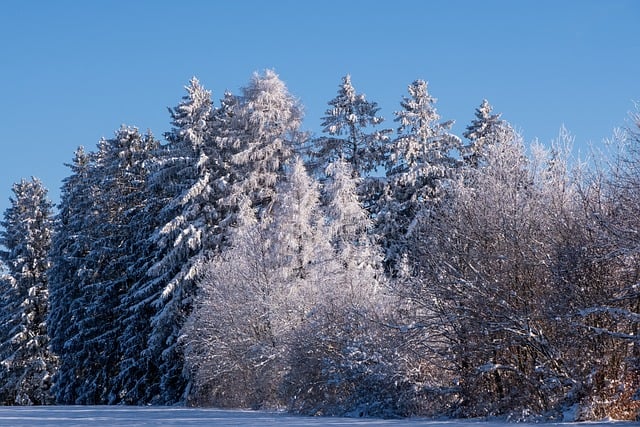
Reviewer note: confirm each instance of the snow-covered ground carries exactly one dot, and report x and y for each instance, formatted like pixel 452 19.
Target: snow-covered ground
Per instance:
pixel 118 416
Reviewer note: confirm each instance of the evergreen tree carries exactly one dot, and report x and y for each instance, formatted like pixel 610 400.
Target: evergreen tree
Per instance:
pixel 349 223
pixel 129 224
pixel 70 245
pixel 118 177
pixel 138 376
pixel 27 365
pixel 421 159
pixel 483 130
pixel 191 182
pixel 299 234
pixel 350 122
pixel 340 362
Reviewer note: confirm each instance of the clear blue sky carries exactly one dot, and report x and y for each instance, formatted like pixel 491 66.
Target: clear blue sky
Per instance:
pixel 74 71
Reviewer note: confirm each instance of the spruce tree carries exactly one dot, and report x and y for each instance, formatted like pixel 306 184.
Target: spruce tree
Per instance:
pixel 485 129
pixel 351 124
pixel 26 364
pixel 126 197
pixel 190 181
pixel 421 158
pixel 70 245
pixel 117 177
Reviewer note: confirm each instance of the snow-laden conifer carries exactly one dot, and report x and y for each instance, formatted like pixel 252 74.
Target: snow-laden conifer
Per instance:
pixel 117 178
pixel 340 362
pixel 422 158
pixel 69 247
pixel 26 364
pixel 130 256
pixel 190 183
pixel 300 236
pixel 484 129
pixel 351 124
pixel 349 223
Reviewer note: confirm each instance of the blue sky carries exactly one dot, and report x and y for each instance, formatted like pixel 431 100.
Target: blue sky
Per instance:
pixel 74 71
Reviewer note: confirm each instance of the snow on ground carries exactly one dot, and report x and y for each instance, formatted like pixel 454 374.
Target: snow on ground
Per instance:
pixel 119 416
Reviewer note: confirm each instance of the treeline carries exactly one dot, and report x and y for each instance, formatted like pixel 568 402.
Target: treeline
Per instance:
pixel 243 262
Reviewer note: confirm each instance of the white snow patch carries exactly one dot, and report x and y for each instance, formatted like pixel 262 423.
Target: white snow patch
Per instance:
pixel 129 416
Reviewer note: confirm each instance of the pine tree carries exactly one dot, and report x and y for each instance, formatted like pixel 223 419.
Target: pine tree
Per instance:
pixel 485 129
pixel 27 365
pixel 70 245
pixel 191 179
pixel 117 179
pixel 421 159
pixel 350 122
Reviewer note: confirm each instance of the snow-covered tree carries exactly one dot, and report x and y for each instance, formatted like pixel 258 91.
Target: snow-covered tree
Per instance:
pixel 486 289
pixel 117 178
pixel 349 223
pixel 424 146
pixel 127 230
pixel 351 124
pixel 600 268
pixel 299 231
pixel 266 133
pixel 421 159
pixel 137 376
pixel 190 183
pixel 340 359
pixel 69 247
pixel 26 364
pixel 255 294
pixel 484 129
pixel 216 270
pixel 291 300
